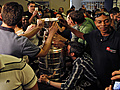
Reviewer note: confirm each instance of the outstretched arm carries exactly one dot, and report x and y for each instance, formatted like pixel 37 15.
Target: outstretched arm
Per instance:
pixel 48 42
pixel 33 29
pixel 76 32
pixel 44 79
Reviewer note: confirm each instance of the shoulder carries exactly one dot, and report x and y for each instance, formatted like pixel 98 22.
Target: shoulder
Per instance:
pixel 92 33
pixel 26 13
pixel 11 63
pixel 20 40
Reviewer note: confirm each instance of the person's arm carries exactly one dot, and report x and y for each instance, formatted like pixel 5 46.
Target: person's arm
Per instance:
pixel 58 37
pixel 44 79
pixel 61 29
pixel 33 15
pixel 32 29
pixel 55 84
pixel 76 32
pixel 70 83
pixel 48 42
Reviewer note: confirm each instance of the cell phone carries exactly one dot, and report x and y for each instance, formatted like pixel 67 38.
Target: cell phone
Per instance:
pixel 116 85
pixel 36 8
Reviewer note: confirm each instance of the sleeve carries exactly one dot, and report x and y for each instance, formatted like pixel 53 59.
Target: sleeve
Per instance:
pixel 30 49
pixel 28 77
pixel 86 29
pixel 76 74
pixel 88 37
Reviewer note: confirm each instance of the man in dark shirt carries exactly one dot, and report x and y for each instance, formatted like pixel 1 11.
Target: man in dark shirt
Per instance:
pixel 31 13
pixel 105 47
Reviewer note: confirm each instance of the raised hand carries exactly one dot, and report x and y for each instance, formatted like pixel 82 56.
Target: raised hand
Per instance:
pixel 63 22
pixel 53 29
pixel 116 75
pixel 35 13
pixel 40 23
pixel 30 27
pixel 43 78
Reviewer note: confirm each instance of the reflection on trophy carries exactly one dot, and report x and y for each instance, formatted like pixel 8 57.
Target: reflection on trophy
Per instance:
pixel 51 64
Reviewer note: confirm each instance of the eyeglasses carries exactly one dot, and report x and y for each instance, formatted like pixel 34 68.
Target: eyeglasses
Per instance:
pixel 32 6
pixel 103 13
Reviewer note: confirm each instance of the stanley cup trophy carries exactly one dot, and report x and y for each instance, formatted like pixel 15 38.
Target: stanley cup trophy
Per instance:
pixel 51 64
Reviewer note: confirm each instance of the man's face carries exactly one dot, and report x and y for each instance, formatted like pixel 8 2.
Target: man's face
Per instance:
pixel 102 23
pixel 68 50
pixel 58 16
pixel 115 17
pixel 31 7
pixel 0 9
pixel 69 20
pixel 25 22
pixel 118 18
pixel 60 10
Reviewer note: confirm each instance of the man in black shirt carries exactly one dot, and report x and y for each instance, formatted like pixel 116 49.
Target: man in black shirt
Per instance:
pixel 31 13
pixel 105 47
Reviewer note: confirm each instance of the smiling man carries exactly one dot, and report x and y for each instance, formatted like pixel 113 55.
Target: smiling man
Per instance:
pixel 105 47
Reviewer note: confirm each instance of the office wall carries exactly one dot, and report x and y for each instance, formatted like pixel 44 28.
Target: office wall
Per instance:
pixel 22 2
pixel 77 4
pixel 60 3
pixel 52 3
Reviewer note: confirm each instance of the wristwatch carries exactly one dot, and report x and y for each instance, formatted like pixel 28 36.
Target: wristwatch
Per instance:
pixel 48 83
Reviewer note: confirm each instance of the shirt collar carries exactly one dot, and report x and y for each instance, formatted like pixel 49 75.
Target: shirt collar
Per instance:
pixel 76 60
pixel 6 29
pixel 1 62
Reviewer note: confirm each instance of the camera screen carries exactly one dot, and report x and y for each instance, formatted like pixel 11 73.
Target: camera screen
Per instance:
pixel 116 85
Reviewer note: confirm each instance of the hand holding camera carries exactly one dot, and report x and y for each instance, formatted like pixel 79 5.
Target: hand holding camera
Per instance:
pixel 115 81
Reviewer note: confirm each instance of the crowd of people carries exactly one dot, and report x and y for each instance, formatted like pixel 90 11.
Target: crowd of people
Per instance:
pixel 89 41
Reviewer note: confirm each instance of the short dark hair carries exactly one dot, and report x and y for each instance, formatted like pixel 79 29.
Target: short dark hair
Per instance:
pixel 104 9
pixel 113 11
pixel 77 48
pixel 12 13
pixel 62 8
pixel 19 24
pixel 60 14
pixel 89 12
pixel 30 2
pixel 77 16
pixel 82 10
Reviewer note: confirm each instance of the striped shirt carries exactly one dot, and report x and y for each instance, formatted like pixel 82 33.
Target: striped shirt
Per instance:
pixel 15 74
pixel 83 73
